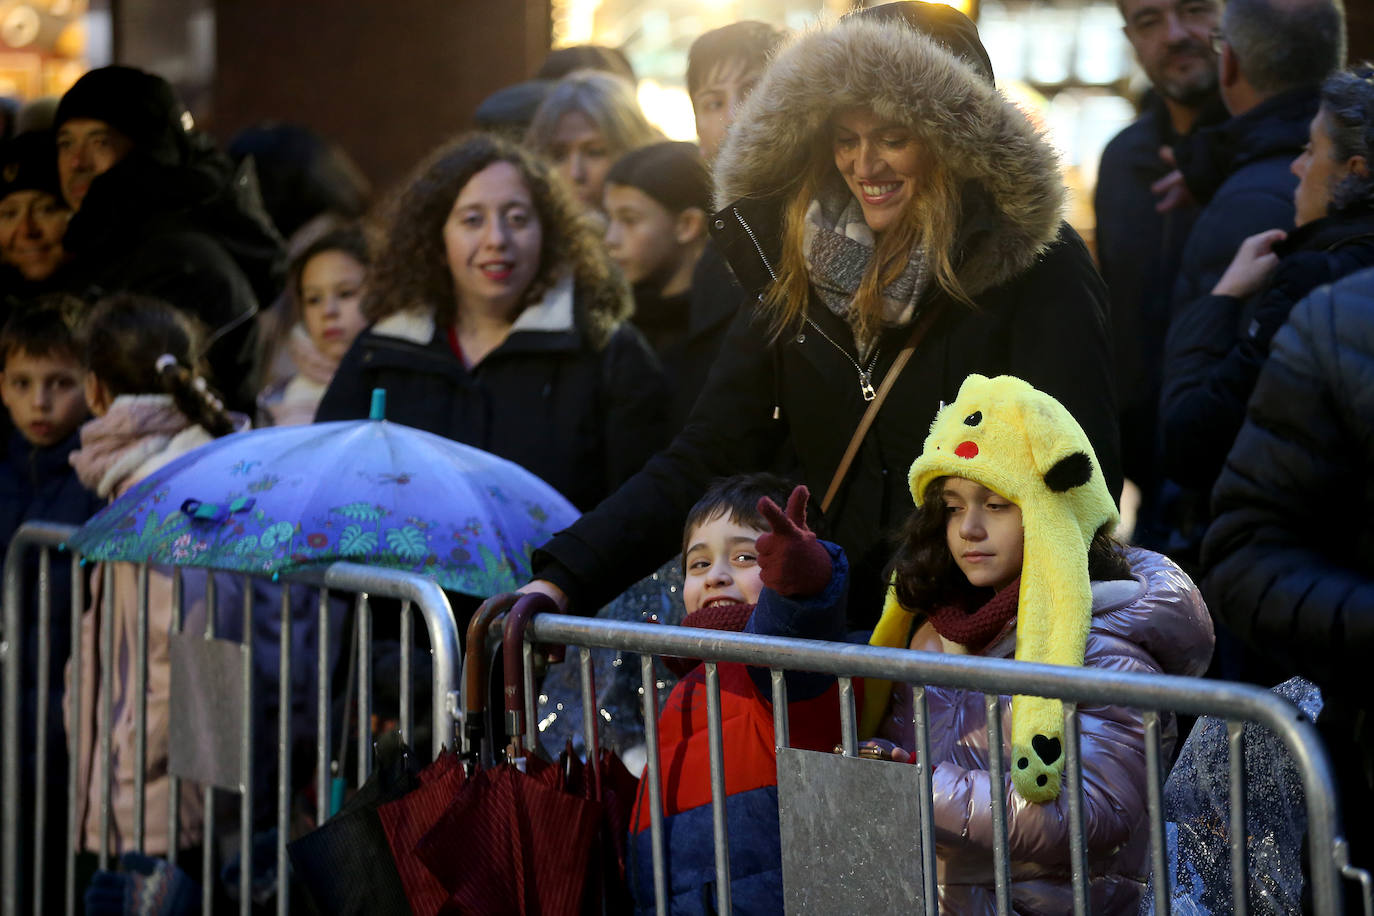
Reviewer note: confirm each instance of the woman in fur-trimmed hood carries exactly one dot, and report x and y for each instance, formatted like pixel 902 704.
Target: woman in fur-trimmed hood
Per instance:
pixel 875 182
pixel 499 322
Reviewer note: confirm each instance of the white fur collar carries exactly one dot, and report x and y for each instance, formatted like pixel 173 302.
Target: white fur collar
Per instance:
pixel 551 314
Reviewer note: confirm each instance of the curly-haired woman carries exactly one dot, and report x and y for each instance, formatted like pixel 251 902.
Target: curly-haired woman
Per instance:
pixel 499 321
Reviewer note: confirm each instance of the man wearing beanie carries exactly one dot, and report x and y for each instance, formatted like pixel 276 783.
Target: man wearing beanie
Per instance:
pixel 160 212
pixel 33 218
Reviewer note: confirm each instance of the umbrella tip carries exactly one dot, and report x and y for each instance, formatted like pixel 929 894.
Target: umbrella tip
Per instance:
pixel 378 411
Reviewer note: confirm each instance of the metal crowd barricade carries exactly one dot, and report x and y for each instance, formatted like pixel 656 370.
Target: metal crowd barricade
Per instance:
pixel 1152 694
pixel 363 581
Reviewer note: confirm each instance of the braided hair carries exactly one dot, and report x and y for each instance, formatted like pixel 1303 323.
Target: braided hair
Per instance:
pixel 141 345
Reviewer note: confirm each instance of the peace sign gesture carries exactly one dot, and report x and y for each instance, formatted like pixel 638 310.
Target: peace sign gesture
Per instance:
pixel 791 561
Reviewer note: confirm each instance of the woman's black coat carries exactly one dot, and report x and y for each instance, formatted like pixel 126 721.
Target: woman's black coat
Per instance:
pixel 1040 314
pixel 581 416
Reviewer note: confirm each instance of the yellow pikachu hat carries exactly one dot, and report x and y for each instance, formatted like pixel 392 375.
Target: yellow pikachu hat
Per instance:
pixel 1022 444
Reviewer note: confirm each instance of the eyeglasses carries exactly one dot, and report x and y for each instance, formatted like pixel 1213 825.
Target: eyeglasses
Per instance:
pixel 1217 40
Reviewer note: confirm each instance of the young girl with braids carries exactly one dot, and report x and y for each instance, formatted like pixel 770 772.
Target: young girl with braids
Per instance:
pixel 151 405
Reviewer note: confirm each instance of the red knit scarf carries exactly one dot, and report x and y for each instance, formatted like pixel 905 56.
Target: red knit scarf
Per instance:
pixel 728 617
pixel 975 628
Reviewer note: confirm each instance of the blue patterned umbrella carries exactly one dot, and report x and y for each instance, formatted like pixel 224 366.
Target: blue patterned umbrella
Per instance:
pixel 367 491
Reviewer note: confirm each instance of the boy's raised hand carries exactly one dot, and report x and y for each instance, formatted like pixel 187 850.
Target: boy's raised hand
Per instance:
pixel 791 561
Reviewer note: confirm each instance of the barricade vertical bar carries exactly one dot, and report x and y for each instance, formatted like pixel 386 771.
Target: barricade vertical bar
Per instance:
pixel 141 708
pixel 781 727
pixel 997 795
pixel 173 783
pixel 364 687
pixel 106 656
pixel 78 728
pixel 1154 785
pixel 246 799
pixel 406 636
pixel 531 729
pixel 40 736
pixel 207 861
pixel 650 691
pixel 849 733
pixel 1240 901
pixel 921 719
pixel 323 739
pixel 284 755
pixel 10 651
pixel 590 709
pixel 715 740
pixel 1073 772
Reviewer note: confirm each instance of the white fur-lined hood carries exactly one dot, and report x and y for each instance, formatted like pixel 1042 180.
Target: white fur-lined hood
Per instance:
pixel 906 77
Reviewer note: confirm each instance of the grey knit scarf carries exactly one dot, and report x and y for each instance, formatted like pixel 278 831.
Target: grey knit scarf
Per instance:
pixel 839 245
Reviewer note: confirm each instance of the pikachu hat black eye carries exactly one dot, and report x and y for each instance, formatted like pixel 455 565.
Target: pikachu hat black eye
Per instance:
pixel 974 418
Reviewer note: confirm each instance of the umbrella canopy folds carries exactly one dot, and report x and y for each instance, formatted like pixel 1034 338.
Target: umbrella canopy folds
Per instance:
pixel 367 491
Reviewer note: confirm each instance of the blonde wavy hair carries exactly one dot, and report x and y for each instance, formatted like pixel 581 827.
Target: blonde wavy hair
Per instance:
pixel 931 222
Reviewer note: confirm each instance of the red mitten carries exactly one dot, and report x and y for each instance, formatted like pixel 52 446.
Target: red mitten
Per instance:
pixel 791 561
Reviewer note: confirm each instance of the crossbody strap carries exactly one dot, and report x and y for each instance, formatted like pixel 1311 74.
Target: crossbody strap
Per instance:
pixel 866 421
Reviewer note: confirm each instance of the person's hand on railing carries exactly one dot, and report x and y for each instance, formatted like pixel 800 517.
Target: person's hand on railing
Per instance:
pixel 792 561
pixel 881 749
pixel 545 587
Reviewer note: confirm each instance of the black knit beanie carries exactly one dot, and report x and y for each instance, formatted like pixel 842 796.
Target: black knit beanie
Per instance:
pixel 140 105
pixel 29 163
pixel 672 173
pixel 943 23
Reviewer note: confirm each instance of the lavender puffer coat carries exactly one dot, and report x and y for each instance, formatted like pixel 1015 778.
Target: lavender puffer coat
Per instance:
pixel 1155 622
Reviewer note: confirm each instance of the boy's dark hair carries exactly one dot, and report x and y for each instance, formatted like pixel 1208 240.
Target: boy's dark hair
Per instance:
pixel 750 42
pixel 350 239
pixel 737 498
pixel 48 327
pixel 125 339
pixel 925 576
pixel 673 173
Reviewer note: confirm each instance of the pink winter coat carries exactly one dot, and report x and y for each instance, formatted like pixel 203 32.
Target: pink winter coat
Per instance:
pixel 1156 622
pixel 114 591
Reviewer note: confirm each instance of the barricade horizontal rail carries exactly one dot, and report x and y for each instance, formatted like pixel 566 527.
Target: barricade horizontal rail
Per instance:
pixel 1150 693
pixel 364 582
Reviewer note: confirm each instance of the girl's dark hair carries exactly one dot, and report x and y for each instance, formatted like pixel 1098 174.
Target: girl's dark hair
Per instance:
pixel 924 573
pixel 737 498
pixel 47 327
pixel 411 269
pixel 141 345
pixel 351 239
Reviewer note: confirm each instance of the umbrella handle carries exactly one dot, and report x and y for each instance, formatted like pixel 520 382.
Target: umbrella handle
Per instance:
pixel 475 669
pixel 513 642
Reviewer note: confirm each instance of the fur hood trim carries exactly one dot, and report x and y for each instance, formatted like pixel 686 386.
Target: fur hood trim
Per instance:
pixel 1009 172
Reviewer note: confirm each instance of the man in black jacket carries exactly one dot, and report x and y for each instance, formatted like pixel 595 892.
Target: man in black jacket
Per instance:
pixel 159 211
pixel 1288 558
pixel 1274 55
pixel 1139 235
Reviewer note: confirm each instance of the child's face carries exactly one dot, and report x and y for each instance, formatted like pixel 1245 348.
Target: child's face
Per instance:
pixel 642 236
pixel 717 99
pixel 332 285
pixel 984 533
pixel 722 564
pixel 44 395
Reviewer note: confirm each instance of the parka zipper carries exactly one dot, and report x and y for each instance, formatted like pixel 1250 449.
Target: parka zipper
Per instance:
pixel 865 375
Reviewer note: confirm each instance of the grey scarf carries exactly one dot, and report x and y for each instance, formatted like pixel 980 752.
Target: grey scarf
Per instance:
pixel 839 245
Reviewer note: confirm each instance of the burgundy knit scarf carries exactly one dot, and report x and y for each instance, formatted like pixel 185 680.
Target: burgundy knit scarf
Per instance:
pixel 975 628
pixel 728 617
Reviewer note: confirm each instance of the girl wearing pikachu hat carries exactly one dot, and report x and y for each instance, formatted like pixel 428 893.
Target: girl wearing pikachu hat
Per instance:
pixel 1008 553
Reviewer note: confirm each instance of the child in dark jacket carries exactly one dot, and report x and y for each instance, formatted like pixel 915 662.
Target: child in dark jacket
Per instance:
pixel 749 568
pixel 41 386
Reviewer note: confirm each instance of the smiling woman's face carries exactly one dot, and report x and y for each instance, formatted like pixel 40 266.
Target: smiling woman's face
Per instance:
pixel 879 161
pixel 493 239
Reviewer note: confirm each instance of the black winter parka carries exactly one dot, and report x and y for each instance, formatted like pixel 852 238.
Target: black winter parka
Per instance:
pixel 1290 557
pixel 1040 314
